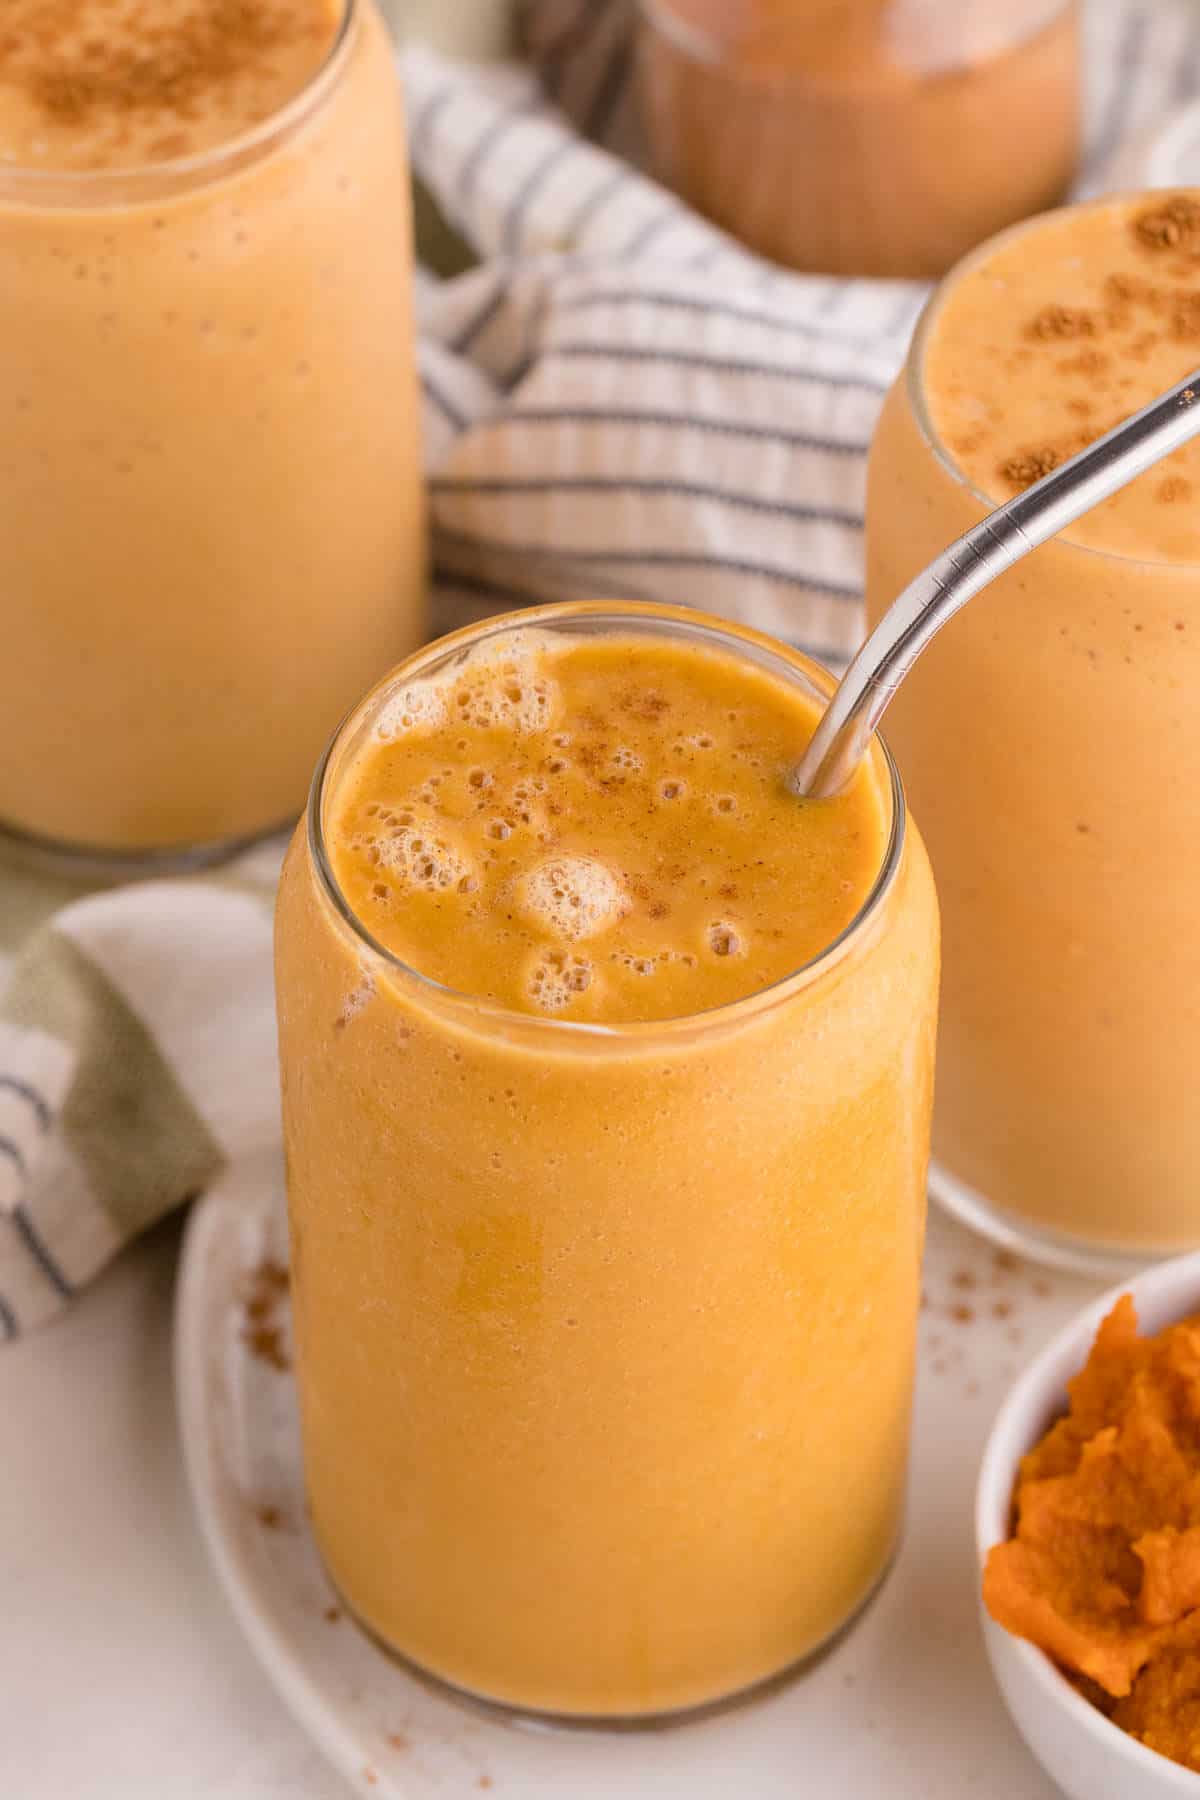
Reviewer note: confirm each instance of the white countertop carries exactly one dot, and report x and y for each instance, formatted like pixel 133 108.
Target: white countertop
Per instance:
pixel 123 1674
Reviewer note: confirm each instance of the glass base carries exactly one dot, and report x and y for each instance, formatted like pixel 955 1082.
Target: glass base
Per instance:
pixel 85 862
pixel 534 1719
pixel 1104 1262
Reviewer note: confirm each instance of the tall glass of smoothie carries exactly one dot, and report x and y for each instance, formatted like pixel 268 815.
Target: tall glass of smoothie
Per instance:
pixel 212 531
pixel 1051 737
pixel 863 137
pixel 607 1069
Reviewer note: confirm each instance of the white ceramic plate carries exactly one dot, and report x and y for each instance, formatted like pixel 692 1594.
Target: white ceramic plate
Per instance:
pixel 903 1707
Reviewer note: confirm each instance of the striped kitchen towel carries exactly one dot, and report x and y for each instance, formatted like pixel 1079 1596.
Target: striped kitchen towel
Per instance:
pixel 624 400
pixel 619 400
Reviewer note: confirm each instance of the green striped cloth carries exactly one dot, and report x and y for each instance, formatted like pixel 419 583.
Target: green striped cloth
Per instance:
pixel 137 1059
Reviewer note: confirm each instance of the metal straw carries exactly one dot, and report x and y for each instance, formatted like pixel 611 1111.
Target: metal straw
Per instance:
pixel 974 560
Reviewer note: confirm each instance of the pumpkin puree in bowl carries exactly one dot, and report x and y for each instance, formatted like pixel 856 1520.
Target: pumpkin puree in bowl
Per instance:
pixel 1103 1569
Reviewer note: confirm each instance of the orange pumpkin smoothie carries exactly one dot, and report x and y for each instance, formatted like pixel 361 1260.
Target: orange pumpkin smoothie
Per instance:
pixel 209 466
pixel 607 1069
pixel 863 137
pixel 1050 736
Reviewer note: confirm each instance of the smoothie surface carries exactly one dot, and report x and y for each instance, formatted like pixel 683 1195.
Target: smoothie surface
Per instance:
pixel 1056 335
pixel 89 85
pixel 600 830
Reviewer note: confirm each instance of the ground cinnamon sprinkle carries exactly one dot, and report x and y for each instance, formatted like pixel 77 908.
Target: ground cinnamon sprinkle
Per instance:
pixel 1174 225
pixel 266 1342
pixel 262 1332
pixel 1131 290
pixel 1103 313
pixel 1062 322
pixel 1174 489
pixel 154 61
pixel 1135 318
pixel 1086 362
pixel 1029 466
pixel 271 1276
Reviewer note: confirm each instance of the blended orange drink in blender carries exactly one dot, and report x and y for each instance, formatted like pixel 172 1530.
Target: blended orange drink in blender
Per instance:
pixel 607 1067
pixel 1050 737
pixel 210 479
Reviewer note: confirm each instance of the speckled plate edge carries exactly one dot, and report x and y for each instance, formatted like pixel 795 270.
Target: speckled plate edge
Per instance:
pixel 387 1733
pixel 207 1263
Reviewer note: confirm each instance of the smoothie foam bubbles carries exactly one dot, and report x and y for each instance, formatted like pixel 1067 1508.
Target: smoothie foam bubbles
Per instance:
pixel 595 832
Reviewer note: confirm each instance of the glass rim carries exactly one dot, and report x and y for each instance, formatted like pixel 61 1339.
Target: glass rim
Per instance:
pixel 487 1012
pixel 705 45
pixel 96 188
pixel 914 373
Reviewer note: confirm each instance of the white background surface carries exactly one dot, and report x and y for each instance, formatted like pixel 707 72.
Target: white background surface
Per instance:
pixel 122 1672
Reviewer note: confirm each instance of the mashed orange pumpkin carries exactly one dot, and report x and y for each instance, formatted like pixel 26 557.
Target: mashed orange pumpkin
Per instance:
pixel 1103 1569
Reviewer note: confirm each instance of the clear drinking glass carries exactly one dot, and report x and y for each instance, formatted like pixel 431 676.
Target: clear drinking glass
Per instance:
pixel 210 478
pixel 1050 739
pixel 605 1333
pixel 863 137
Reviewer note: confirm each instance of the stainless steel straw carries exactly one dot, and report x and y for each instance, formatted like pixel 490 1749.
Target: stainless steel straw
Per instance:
pixel 974 560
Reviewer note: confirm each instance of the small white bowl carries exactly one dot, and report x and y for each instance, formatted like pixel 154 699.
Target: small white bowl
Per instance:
pixel 1088 1756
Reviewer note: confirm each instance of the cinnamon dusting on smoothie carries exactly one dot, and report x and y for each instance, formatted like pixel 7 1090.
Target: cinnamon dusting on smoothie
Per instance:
pixel 1029 466
pixel 1174 490
pixel 1062 322
pixel 1175 225
pixel 96 83
pixel 1115 285
pixel 1185 318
